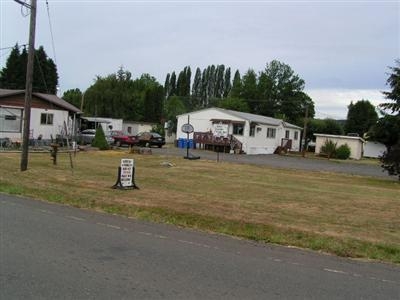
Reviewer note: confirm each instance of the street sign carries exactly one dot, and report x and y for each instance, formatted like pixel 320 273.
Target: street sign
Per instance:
pixel 187 128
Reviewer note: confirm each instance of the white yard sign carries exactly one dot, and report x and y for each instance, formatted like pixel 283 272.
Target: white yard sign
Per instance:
pixel 127 172
pixel 221 130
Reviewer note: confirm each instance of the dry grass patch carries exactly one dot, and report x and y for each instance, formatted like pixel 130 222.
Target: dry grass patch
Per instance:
pixel 318 210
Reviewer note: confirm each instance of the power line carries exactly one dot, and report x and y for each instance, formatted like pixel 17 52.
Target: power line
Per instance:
pixel 19 46
pixel 51 32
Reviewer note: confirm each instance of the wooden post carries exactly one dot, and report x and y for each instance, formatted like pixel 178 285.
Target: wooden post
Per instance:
pixel 28 88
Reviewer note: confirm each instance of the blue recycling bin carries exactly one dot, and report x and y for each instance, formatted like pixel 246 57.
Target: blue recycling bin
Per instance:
pixel 180 143
pixel 191 144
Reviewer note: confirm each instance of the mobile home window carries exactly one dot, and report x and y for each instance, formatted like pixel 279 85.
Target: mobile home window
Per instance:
pixel 10 119
pixel 252 129
pixel 129 129
pixel 238 129
pixel 46 119
pixel 287 133
pixel 271 133
pixel 296 135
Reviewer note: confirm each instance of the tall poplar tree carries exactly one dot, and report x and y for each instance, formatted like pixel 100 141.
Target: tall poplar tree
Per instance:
pixel 236 85
pixel 196 89
pixel 227 82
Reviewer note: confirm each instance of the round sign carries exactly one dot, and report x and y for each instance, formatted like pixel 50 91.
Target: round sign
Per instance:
pixel 187 128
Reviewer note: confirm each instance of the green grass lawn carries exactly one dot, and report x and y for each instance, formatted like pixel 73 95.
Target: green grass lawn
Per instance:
pixel 347 215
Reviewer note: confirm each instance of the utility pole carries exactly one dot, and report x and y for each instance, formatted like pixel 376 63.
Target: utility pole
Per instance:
pixel 28 84
pixel 305 133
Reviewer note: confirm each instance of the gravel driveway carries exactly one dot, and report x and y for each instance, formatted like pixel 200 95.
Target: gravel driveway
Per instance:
pixel 286 162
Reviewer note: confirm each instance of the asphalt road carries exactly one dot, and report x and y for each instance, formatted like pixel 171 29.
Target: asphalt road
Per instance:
pixel 285 162
pixel 49 251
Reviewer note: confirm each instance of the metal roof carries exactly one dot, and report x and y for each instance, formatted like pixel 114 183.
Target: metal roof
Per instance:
pixel 252 118
pixel 46 97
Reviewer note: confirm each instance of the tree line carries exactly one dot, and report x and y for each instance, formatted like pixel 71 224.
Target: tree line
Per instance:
pixel 275 91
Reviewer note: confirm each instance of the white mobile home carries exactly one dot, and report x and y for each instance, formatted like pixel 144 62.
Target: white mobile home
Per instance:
pixel 133 127
pixel 48 115
pixel 254 134
pixel 107 124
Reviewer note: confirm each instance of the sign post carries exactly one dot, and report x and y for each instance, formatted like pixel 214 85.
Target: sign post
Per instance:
pixel 188 129
pixel 126 175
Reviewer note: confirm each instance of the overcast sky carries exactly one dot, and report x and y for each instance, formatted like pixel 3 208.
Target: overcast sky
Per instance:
pixel 342 49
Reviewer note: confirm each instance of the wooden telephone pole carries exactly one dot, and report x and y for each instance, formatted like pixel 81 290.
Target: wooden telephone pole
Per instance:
pixel 28 84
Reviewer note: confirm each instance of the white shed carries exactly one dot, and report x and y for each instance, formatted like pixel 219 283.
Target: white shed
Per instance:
pixel 254 133
pixel 355 143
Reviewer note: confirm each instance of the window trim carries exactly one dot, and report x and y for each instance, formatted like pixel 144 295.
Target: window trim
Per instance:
pixel 49 119
pixel 238 125
pixel 11 114
pixel 296 135
pixel 271 133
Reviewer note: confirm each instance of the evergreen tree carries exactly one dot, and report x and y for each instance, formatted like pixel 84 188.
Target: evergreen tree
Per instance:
pixel 394 95
pixel 10 77
pixel 99 140
pixel 45 77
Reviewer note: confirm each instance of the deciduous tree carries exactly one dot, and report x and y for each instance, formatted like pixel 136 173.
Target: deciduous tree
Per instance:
pixel 361 116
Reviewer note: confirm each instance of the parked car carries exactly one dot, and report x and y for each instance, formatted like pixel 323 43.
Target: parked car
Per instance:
pixel 87 136
pixel 120 139
pixel 148 139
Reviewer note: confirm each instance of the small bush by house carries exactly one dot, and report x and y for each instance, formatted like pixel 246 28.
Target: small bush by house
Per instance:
pixel 329 148
pixel 343 152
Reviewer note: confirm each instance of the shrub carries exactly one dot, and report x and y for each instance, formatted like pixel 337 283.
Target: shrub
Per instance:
pixel 329 148
pixel 391 161
pixel 99 140
pixel 343 152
